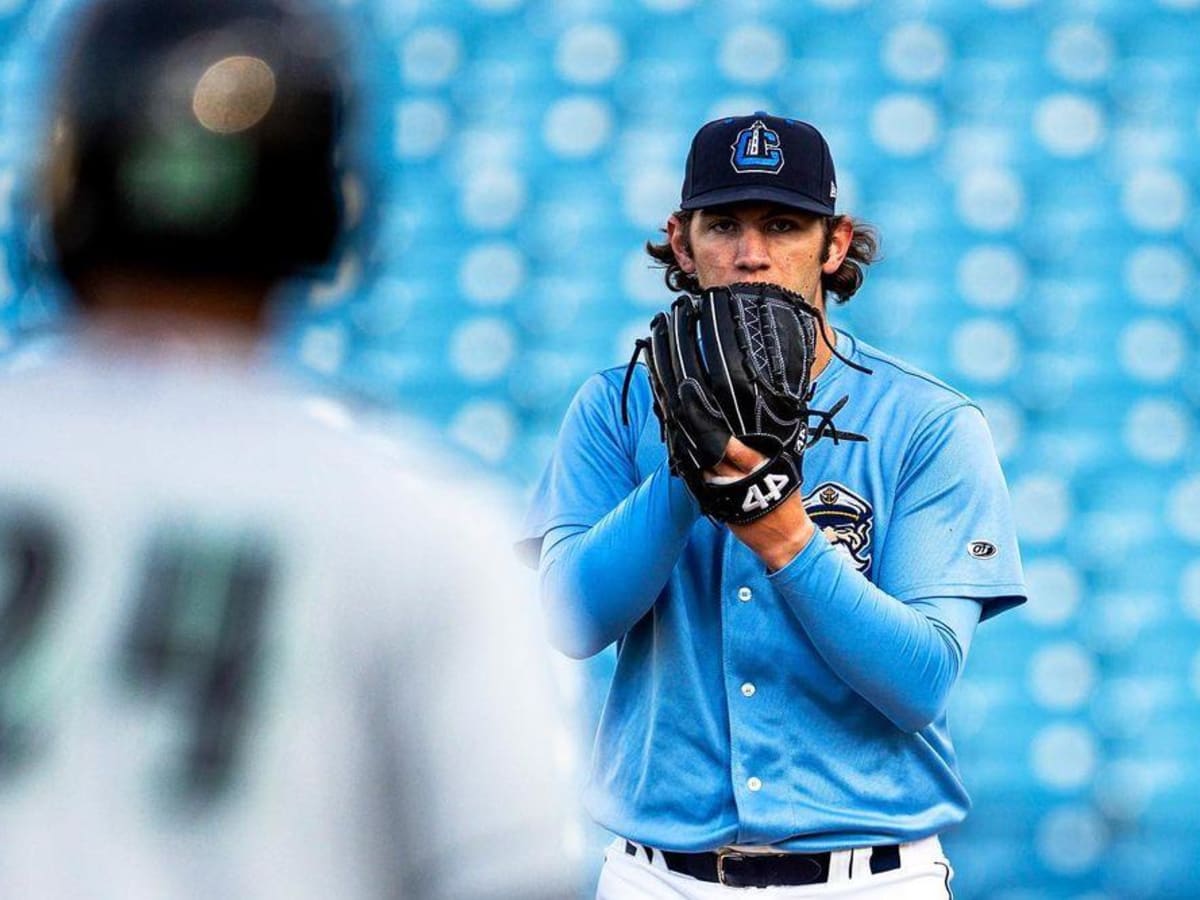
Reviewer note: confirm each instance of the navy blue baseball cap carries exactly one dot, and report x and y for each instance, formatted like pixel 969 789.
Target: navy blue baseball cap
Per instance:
pixel 760 157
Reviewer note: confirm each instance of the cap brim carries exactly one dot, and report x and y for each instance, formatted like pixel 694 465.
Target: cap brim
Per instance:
pixel 760 192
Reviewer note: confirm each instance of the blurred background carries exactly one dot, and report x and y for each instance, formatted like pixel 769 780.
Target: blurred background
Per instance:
pixel 1032 166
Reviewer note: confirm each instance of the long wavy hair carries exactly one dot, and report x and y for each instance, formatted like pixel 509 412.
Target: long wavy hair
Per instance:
pixel 842 284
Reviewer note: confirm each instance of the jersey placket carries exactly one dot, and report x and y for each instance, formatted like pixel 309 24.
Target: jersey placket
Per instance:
pixel 748 607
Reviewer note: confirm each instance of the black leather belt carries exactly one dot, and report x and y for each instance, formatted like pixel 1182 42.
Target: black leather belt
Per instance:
pixel 759 870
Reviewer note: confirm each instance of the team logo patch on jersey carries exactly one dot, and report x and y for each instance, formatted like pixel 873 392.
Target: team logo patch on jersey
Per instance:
pixel 757 149
pixel 845 519
pixel 982 549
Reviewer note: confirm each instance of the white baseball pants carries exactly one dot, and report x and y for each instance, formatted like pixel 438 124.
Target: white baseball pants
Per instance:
pixel 924 874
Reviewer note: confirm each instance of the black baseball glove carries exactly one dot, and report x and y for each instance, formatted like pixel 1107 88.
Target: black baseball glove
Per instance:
pixel 734 363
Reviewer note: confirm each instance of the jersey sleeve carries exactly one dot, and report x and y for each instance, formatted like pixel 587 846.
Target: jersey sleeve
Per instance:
pixel 951 530
pixel 592 467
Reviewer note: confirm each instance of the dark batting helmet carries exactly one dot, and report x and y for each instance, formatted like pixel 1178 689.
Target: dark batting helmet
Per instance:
pixel 198 137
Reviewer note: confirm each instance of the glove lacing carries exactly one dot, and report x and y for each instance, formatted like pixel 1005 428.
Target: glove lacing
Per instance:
pixel 826 426
pixel 640 346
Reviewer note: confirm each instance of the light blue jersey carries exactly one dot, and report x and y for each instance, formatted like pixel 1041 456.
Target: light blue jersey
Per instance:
pixel 802 708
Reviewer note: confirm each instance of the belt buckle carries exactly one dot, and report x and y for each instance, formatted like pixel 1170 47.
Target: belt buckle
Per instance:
pixel 722 855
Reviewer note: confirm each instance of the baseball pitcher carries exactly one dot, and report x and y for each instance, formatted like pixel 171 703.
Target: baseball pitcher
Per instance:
pixel 791 537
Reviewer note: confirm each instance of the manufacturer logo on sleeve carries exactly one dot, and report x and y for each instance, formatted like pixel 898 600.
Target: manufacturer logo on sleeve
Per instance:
pixel 757 149
pixel 982 549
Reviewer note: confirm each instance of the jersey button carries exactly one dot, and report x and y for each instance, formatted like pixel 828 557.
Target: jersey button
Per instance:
pixel 748 689
pixel 755 784
pixel 744 594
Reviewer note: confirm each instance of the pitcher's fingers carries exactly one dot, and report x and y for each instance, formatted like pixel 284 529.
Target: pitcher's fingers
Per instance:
pixel 745 459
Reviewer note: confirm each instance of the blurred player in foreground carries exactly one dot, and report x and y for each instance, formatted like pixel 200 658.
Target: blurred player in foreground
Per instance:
pixel 242 653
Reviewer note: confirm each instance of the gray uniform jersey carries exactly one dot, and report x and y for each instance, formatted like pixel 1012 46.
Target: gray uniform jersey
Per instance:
pixel 246 654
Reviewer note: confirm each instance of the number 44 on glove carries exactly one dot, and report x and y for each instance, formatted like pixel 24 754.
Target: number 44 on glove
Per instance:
pixel 736 362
